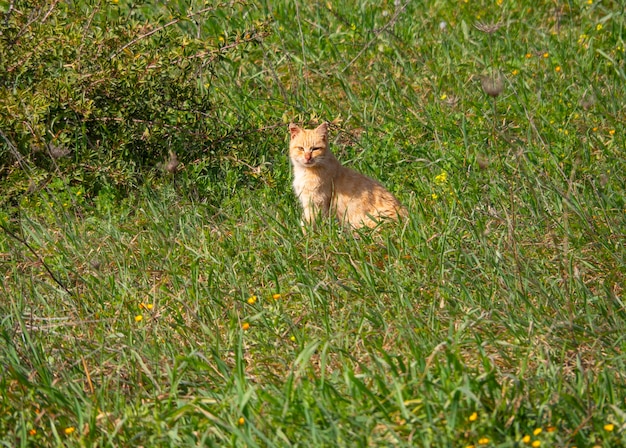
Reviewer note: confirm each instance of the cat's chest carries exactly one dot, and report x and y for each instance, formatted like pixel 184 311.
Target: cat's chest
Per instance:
pixel 309 182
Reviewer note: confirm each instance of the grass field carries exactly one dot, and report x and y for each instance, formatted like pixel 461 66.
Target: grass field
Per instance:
pixel 193 311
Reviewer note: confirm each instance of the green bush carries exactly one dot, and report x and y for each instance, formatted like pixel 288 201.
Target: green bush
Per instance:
pixel 103 91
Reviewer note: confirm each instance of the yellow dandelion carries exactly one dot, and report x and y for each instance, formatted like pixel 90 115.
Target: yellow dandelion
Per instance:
pixel 441 178
pixel 536 444
pixel 434 196
pixel 251 300
pixel 609 427
pixel 599 27
pixel 138 318
pixel 515 72
pixel 612 132
pixel 537 431
pixel 557 68
pixel 546 55
pixel 69 430
pixel 595 129
pixel 528 55
pixel 483 441
pixel 443 97
pixel 292 339
pixel 473 417
pixel 241 421
pixel 470 446
pixel 32 432
pixel 149 306
pixel 276 296
pixel 245 326
pixel 526 439
pixel 590 2
pixel 551 428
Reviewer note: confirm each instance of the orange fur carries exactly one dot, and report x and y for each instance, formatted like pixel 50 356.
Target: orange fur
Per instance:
pixel 325 187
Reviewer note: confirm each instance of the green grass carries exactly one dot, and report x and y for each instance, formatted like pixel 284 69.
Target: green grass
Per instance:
pixel 501 295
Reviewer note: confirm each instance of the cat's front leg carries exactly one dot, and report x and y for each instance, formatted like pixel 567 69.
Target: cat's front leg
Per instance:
pixel 309 214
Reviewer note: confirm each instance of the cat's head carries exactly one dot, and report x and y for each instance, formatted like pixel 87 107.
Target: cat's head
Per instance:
pixel 309 147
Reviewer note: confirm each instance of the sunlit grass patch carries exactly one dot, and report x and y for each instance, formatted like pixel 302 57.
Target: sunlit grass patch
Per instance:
pixel 192 310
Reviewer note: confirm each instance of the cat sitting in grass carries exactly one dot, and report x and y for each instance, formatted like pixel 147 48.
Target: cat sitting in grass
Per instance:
pixel 325 187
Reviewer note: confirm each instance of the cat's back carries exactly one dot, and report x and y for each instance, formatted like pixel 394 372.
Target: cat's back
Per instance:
pixel 359 198
pixel 353 183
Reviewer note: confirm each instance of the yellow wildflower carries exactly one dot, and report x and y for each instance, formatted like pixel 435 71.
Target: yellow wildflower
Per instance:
pixel 276 296
pixel 537 431
pixel 473 417
pixel 609 427
pixel 526 439
pixel 251 300
pixel 483 441
pixel 441 178
pixel 69 430
pixel 138 318
pixel 557 68
pixel 32 432
pixel 241 421
pixel 599 27
pixel 536 444
pixel 612 132
pixel 245 326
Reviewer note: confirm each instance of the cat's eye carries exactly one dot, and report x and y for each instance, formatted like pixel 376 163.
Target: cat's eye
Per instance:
pixel 317 148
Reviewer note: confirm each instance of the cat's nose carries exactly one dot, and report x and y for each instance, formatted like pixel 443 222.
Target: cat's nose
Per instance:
pixel 307 156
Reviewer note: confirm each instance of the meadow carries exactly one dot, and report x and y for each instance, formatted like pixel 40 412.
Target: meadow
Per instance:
pixel 186 307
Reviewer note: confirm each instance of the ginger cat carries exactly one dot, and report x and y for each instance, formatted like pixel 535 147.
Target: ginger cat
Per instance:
pixel 326 187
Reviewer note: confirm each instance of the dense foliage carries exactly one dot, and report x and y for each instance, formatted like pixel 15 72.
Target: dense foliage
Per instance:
pixel 103 91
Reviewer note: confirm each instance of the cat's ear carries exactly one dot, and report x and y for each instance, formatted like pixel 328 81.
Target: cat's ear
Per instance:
pixel 322 130
pixel 294 129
